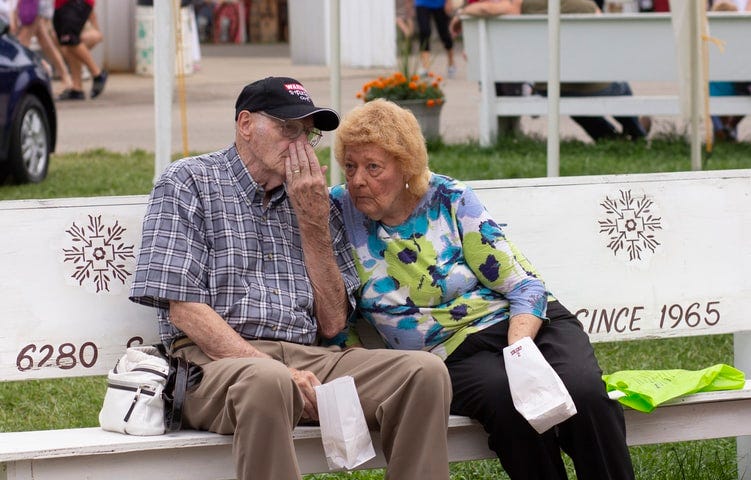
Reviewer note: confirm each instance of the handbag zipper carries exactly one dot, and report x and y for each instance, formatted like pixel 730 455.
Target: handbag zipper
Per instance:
pixel 145 389
pixel 150 370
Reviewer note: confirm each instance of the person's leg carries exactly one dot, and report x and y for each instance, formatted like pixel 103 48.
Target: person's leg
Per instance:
pixel 91 35
pixel 25 32
pixel 52 52
pixel 423 34
pixel 405 395
pixel 254 399
pixel 481 391
pixel 597 128
pixel 83 56
pixel 508 125
pixel 718 128
pixel 630 125
pixel 76 77
pixel 442 26
pixel 69 22
pixel 594 438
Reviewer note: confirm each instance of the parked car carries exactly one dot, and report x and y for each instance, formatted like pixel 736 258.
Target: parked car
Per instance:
pixel 28 119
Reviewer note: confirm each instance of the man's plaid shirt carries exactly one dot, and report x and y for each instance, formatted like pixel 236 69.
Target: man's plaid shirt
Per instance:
pixel 208 238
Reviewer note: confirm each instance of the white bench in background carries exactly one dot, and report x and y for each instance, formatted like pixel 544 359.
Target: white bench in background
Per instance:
pixel 636 47
pixel 636 256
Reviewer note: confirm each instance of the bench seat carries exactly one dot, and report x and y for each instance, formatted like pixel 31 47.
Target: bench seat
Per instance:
pixel 88 452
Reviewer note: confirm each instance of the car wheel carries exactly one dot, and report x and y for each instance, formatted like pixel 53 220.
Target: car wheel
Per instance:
pixel 29 153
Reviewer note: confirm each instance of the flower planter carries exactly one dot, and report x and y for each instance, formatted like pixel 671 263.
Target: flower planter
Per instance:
pixel 427 117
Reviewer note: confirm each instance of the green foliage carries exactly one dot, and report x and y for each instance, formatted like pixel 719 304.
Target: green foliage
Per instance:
pixel 101 173
pixel 523 157
pixel 400 87
pixel 87 174
pixel 50 404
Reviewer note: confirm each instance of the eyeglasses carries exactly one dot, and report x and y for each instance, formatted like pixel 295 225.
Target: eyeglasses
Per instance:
pixel 294 128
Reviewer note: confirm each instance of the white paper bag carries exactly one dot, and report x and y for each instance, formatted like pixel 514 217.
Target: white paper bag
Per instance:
pixel 344 432
pixel 537 391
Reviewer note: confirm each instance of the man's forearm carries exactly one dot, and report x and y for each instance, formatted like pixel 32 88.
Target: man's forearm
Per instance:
pixel 490 8
pixel 210 332
pixel 330 296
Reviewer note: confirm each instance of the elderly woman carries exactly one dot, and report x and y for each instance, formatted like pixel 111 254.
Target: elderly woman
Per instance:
pixel 438 274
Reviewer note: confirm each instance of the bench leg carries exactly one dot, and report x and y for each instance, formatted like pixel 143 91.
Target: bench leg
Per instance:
pixel 20 470
pixel 744 457
pixel 742 350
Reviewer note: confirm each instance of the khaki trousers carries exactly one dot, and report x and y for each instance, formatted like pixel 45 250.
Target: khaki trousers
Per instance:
pixel 404 395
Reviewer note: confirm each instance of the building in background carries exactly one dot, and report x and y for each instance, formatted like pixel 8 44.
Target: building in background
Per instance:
pixel 367 32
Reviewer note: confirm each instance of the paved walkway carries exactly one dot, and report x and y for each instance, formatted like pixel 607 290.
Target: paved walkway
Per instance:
pixel 122 118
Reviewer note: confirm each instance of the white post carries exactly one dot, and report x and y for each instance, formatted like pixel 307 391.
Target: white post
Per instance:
pixel 336 80
pixel 164 77
pixel 488 123
pixel 696 85
pixel 554 86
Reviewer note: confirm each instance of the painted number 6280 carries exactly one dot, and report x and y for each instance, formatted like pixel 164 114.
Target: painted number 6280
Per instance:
pixel 67 356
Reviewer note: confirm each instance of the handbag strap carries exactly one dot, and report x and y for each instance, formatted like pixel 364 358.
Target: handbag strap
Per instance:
pixel 183 376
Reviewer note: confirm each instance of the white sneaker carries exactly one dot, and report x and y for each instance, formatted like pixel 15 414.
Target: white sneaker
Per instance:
pixel 451 72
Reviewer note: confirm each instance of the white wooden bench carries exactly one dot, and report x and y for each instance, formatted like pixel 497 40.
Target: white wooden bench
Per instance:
pixel 638 256
pixel 636 47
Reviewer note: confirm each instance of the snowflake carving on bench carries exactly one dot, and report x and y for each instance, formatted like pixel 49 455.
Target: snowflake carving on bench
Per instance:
pixel 630 225
pixel 98 254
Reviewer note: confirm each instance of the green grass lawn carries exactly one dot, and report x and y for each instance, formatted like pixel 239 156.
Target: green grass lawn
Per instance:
pixel 75 402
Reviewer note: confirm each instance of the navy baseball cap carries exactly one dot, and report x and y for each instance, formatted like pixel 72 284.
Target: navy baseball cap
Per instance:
pixel 284 98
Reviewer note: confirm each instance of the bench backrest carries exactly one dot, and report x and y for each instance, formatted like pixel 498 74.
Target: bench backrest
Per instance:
pixel 600 48
pixel 636 256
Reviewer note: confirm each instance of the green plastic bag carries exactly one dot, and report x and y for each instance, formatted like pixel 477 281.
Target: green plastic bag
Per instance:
pixel 643 390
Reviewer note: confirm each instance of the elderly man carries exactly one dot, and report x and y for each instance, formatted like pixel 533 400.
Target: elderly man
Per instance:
pixel 248 266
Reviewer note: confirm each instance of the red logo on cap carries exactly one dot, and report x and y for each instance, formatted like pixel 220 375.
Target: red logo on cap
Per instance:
pixel 299 90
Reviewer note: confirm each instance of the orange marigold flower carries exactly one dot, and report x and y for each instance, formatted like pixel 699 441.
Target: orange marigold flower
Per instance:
pixel 412 86
pixel 431 103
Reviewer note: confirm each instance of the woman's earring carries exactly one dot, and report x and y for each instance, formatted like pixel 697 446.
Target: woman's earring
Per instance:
pixel 406 185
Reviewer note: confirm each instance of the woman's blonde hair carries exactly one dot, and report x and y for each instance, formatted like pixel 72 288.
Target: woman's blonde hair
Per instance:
pixel 394 129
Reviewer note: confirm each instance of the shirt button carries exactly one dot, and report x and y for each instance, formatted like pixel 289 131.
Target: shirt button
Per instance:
pixel 274 328
pixel 275 291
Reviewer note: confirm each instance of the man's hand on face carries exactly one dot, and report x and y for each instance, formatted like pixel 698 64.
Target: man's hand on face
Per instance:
pixel 306 184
